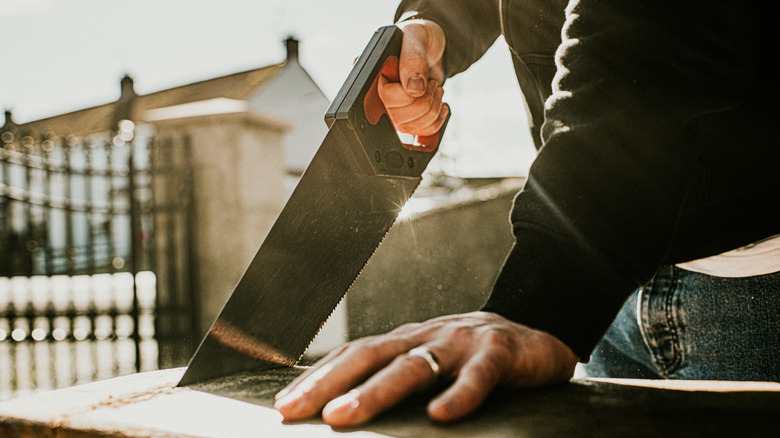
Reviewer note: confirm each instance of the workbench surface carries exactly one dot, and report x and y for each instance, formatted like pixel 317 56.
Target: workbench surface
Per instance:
pixel 150 405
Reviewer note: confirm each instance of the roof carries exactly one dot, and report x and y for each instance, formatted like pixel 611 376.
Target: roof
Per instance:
pixel 218 106
pixel 238 86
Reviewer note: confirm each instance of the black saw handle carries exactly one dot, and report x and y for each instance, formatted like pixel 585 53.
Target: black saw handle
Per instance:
pixel 357 104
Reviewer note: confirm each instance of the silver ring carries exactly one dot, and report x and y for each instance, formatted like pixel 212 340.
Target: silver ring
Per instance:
pixel 425 353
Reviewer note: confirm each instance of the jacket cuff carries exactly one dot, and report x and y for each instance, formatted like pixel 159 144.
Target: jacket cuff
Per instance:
pixel 559 287
pixel 470 28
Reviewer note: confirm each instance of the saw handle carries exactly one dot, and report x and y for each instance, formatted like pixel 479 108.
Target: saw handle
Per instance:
pixel 358 99
pixel 374 108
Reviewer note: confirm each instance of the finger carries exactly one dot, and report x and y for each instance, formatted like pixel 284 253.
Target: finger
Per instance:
pixel 429 130
pixel 413 61
pixel 476 379
pixel 419 116
pixel 405 375
pixel 421 112
pixel 393 94
pixel 419 107
pixel 337 376
pixel 410 331
pixel 430 135
pixel 435 127
pixel 311 370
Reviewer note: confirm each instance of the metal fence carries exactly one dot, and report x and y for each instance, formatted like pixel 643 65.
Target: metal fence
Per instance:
pixel 94 256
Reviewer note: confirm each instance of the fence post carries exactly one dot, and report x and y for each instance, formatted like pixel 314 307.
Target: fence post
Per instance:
pixel 124 129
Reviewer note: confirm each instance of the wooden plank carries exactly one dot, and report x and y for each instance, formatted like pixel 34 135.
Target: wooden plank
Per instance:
pixel 149 405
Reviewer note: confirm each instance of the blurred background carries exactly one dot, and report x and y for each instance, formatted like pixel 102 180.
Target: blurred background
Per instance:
pixel 60 56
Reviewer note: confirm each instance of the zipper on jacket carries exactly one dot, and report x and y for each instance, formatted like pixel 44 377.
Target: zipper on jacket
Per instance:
pixel 503 31
pixel 501 16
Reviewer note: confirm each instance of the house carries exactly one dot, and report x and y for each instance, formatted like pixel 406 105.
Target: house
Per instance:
pixel 284 91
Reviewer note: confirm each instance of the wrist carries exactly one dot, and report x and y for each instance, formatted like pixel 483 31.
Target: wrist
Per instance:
pixel 432 37
pixel 434 32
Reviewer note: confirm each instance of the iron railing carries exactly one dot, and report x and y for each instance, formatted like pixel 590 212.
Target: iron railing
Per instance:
pixel 94 256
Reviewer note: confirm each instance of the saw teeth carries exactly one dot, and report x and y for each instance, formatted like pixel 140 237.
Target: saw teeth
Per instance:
pixel 354 279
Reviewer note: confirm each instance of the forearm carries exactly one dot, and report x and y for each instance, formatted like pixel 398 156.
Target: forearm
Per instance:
pixel 600 209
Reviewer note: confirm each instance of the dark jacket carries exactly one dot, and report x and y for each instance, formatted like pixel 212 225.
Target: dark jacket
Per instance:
pixel 657 144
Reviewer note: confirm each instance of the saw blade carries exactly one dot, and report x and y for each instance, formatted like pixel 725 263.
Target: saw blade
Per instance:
pixel 343 206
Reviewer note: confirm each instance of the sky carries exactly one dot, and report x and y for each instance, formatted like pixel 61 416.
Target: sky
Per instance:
pixel 58 56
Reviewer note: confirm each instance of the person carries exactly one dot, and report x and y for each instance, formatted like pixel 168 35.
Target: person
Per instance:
pixel 646 233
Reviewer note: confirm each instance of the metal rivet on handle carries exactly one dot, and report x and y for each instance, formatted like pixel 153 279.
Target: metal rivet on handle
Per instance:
pixel 395 160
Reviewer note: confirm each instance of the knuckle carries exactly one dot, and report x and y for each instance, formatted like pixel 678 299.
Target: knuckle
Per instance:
pixel 371 349
pixel 383 91
pixel 497 338
pixel 425 101
pixel 368 347
pixel 432 116
pixel 462 332
pixel 407 328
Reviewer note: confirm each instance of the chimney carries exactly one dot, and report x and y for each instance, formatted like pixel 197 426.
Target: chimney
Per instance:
pixel 9 122
pixel 124 105
pixel 127 88
pixel 292 49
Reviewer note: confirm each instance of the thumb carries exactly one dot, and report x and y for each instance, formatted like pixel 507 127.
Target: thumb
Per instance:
pixel 413 62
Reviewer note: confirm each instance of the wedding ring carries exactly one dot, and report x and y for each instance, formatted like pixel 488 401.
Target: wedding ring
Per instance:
pixel 425 353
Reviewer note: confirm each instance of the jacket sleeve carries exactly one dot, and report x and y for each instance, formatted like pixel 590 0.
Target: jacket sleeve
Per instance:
pixel 470 27
pixel 600 207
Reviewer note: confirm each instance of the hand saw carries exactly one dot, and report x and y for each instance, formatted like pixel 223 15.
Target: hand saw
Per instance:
pixel 346 201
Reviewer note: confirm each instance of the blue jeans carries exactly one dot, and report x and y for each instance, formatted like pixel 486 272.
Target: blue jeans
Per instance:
pixel 687 325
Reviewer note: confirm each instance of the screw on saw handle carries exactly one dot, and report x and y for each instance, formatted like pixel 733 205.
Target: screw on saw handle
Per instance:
pixel 358 100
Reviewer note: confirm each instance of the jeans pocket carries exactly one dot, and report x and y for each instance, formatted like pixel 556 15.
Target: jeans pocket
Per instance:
pixel 659 321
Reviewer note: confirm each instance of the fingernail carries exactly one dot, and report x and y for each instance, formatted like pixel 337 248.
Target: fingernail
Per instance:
pixel 415 84
pixel 342 405
pixel 281 394
pixel 287 400
pixel 307 384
